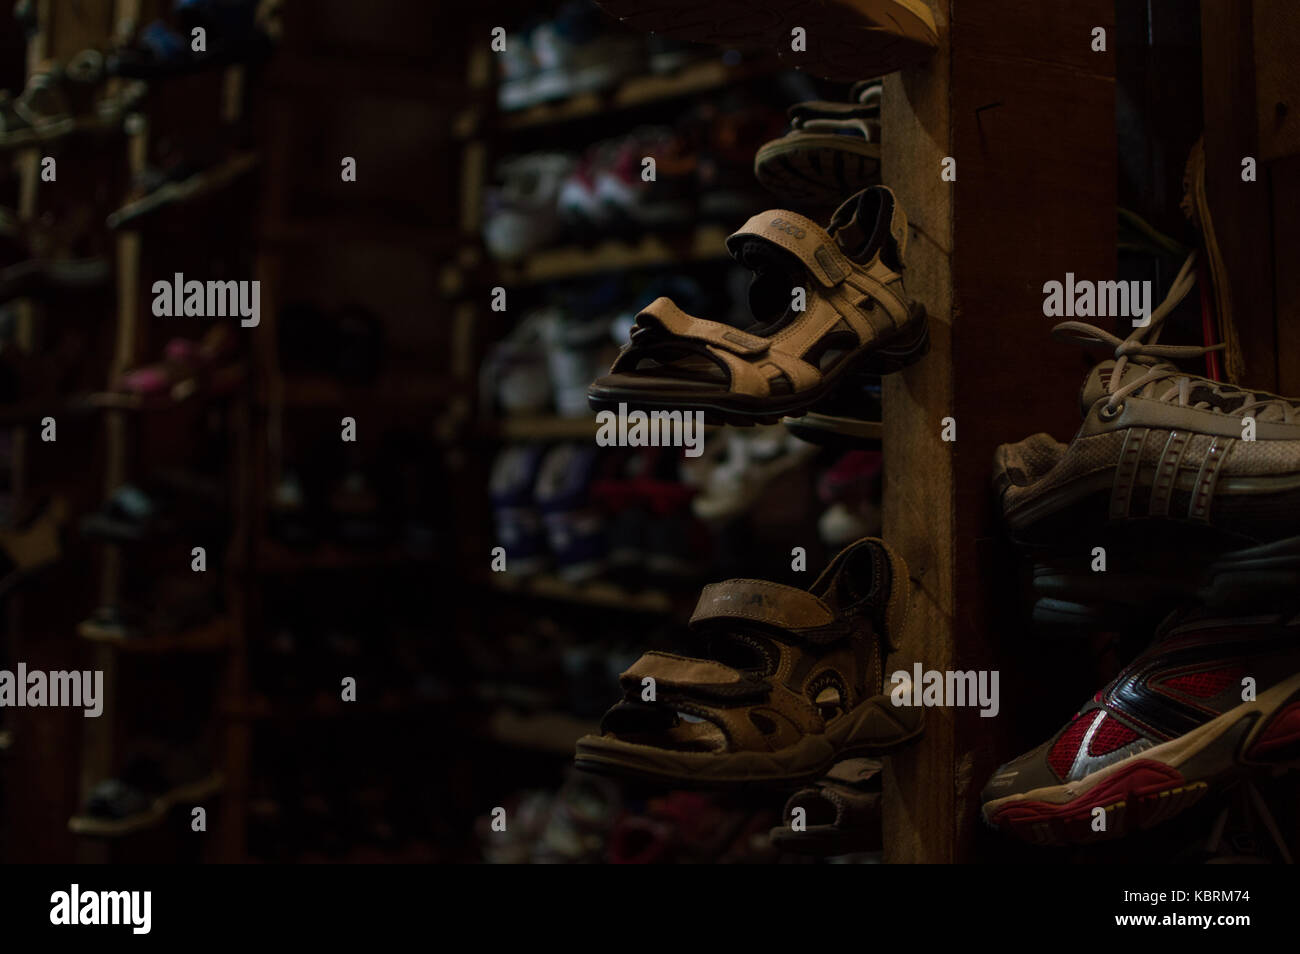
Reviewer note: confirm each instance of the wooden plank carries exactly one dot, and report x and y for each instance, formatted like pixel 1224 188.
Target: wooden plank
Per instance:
pixel 1277 77
pixel 1284 177
pixel 1033 132
pixel 918 519
pixel 1240 209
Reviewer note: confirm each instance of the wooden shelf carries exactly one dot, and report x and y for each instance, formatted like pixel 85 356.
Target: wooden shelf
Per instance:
pixel 393 389
pixel 554 732
pixel 542 428
pixel 703 244
pixel 352 230
pixel 212 636
pixel 377 76
pixel 274 557
pixel 261 709
pixel 691 80
pixel 595 593
pixel 201 183
pixel 218 385
pixel 150 818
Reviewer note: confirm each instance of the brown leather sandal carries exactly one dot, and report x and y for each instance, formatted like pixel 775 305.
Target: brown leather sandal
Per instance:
pixel 791 682
pixel 856 317
pixel 841 812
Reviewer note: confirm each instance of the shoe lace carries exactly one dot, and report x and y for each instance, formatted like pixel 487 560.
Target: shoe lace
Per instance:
pixel 1142 348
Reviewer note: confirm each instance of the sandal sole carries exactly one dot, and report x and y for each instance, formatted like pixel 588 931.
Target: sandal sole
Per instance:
pixel 905 348
pixel 1160 782
pixel 817 168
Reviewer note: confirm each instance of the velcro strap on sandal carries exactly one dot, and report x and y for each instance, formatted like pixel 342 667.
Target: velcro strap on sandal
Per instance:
pixel 663 315
pixel 802 237
pixel 703 679
pixel 760 601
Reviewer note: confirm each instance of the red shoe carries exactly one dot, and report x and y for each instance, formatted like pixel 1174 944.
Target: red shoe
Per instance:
pixel 1210 701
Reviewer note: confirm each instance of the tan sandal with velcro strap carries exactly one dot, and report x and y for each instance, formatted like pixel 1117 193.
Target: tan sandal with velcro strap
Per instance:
pixel 790 682
pixel 856 317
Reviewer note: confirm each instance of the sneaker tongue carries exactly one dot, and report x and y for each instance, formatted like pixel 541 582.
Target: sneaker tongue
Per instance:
pixel 1100 383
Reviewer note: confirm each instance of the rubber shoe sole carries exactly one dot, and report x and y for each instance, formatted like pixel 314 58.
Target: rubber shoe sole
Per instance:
pixel 1069 593
pixel 1161 782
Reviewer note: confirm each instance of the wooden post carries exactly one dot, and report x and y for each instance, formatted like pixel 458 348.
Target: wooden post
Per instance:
pixel 1023 105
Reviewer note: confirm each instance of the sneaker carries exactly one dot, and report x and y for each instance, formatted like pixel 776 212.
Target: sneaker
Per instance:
pixel 518 527
pixel 575 529
pixel 521 216
pixel 1161 476
pixel 752 461
pixel 1170 728
pixel 664 202
pixel 515 378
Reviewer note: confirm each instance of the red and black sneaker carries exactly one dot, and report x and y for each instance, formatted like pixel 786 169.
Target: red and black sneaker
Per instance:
pixel 1211 699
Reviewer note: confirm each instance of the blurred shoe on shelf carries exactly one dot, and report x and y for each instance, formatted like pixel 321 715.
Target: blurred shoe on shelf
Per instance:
pixel 750 461
pixel 575 528
pixel 519 528
pixel 522 215
pixel 516 377
pixel 570 54
pixel 665 199
pixel 851 489
pixel 578 344
pixel 235 31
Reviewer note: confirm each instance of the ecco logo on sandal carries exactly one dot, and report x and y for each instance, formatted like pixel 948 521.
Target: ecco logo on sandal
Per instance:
pixel 789 228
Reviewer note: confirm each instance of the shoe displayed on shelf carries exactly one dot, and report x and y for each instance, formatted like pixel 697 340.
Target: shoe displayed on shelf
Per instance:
pixel 1188 485
pixel 787 682
pixel 726 131
pixel 579 346
pixel 575 529
pixel 567 55
pixel 235 31
pixel 130 515
pixel 188 365
pixel 748 465
pixel 845 38
pixel 831 150
pixel 1211 700
pixel 841 812
pixel 516 378
pixel 519 529
pixel 523 214
pixel 851 489
pixel 854 308
pixel 630 200
pixel 155 777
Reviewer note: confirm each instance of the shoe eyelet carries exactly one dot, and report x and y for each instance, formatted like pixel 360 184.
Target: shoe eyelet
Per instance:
pixel 1108 413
